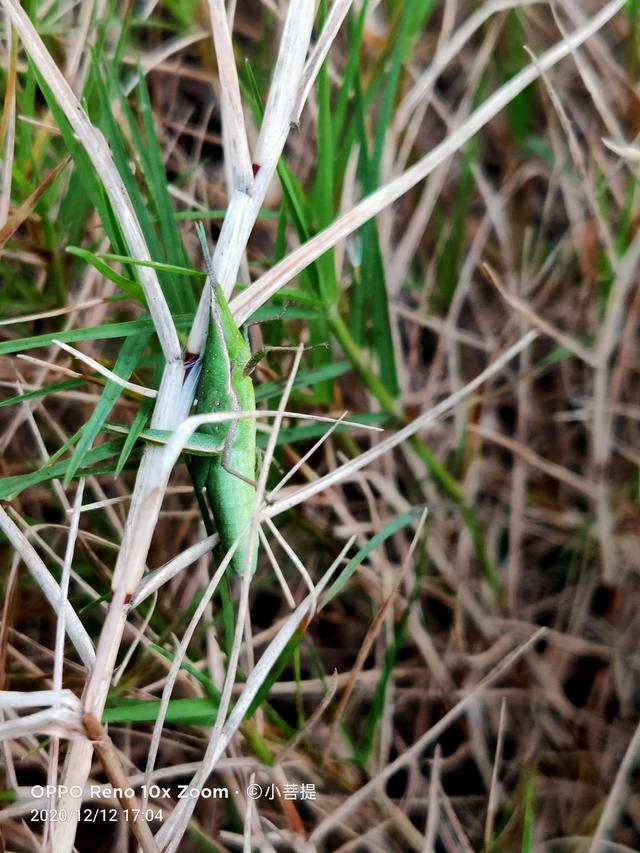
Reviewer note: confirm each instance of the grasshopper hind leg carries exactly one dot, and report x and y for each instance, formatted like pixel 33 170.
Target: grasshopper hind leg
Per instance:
pixel 225 460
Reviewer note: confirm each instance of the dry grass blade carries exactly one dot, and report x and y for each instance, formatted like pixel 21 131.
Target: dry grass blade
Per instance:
pixel 431 830
pixel 115 774
pixel 236 143
pixel 480 318
pixel 55 312
pixel 54 722
pixel 421 423
pixel 575 481
pixel 40 574
pixel 269 283
pixel 151 393
pixel 494 793
pixel 337 14
pixel 154 580
pixel 178 659
pixel 7 124
pixel 19 216
pixel 539 322
pixel 618 795
pixel 424 741
pixel 376 625
pixel 629 152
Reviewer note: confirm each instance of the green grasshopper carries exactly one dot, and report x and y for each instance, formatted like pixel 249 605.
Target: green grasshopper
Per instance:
pixel 225 385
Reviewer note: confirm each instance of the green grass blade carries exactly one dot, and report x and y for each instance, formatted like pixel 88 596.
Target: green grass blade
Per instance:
pixel 294 435
pixel 88 179
pixel 381 536
pixel 139 423
pixel 452 247
pixel 362 750
pixel 126 363
pixel 156 177
pixel 94 333
pixel 107 123
pixel 129 286
pixel 11 487
pixel 322 203
pixel 192 712
pixel 529 815
pixel 350 75
pixel 325 373
pixel 55 388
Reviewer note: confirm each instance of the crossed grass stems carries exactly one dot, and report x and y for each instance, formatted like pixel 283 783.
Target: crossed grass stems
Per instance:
pixel 223 730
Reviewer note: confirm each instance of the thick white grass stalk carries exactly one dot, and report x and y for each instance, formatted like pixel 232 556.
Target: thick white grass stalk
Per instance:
pixel 319 53
pixel 58 657
pixel 287 75
pixel 245 204
pixel 9 141
pixel 74 628
pixel 57 722
pixel 16 699
pixel 236 145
